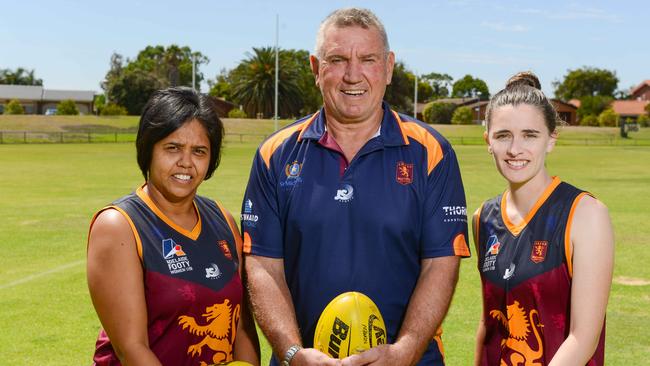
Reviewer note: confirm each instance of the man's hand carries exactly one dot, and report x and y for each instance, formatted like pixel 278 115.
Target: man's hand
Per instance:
pixel 386 354
pixel 312 356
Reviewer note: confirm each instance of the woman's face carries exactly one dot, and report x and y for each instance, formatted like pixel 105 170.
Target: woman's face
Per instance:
pixel 180 162
pixel 519 141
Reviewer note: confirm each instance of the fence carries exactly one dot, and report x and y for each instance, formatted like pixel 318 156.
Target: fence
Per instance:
pixel 33 137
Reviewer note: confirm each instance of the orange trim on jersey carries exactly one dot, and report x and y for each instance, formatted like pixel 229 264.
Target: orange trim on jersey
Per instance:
pixel 568 247
pixel 196 231
pixel 438 339
pixel 247 243
pixel 516 229
pixel 269 146
pixel 460 246
pixel 138 242
pixel 233 227
pixel 476 224
pixel 421 135
pixel 399 123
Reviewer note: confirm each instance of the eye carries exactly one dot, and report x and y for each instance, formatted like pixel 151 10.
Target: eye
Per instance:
pixel 201 151
pixel 336 60
pixel 369 60
pixel 171 148
pixel 530 136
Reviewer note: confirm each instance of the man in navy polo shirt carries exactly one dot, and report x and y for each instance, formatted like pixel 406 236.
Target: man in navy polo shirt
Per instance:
pixel 354 198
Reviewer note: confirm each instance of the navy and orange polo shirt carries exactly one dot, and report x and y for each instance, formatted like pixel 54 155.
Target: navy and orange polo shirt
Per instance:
pixel 362 225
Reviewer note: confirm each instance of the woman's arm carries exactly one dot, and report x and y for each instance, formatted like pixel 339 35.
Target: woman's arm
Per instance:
pixel 115 281
pixel 592 239
pixel 480 331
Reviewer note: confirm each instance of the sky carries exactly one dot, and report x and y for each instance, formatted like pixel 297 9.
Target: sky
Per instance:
pixel 69 43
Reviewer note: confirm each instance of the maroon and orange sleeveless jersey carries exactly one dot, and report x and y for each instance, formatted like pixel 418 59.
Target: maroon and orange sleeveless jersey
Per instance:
pixel 526 278
pixel 193 290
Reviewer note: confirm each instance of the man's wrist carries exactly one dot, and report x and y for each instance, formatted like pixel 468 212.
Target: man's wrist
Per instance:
pixel 290 354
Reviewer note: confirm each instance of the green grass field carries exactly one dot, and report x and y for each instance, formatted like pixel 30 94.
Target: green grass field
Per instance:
pixel 50 191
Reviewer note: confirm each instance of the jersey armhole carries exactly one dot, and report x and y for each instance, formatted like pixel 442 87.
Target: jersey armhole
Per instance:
pixel 568 247
pixel 138 242
pixel 476 224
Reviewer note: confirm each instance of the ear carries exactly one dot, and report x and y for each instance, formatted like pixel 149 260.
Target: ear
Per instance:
pixel 390 64
pixel 487 142
pixel 314 64
pixel 551 141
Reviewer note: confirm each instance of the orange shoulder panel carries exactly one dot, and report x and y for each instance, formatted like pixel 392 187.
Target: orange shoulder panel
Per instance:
pixel 424 137
pixel 269 146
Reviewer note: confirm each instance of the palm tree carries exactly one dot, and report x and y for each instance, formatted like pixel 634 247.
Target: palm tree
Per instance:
pixel 19 77
pixel 253 84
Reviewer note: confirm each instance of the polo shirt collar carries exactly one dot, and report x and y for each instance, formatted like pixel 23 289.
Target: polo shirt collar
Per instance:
pixel 390 132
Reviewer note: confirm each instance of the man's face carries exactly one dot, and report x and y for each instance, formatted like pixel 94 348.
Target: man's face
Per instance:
pixel 352 73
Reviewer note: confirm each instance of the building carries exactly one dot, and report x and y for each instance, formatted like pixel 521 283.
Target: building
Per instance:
pixel 630 109
pixel 37 100
pixel 566 111
pixel 641 92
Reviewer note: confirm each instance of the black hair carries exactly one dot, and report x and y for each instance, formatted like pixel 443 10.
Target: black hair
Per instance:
pixel 169 109
pixel 525 88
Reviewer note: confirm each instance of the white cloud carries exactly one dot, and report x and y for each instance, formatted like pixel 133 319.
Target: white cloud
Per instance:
pixel 501 27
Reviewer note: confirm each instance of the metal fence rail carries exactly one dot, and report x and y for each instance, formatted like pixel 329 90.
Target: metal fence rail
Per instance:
pixel 36 137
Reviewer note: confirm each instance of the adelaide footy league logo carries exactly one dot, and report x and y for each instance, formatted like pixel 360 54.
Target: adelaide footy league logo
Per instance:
pixel 404 173
pixel 175 257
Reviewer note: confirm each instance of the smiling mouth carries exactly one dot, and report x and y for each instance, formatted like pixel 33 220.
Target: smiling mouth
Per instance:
pixel 354 92
pixel 183 177
pixel 517 164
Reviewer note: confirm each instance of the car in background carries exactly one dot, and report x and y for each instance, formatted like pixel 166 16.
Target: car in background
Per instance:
pixel 50 112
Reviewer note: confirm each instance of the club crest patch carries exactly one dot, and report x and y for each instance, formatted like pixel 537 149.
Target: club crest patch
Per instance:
pixel 293 170
pixel 404 173
pixel 538 254
pixel 223 245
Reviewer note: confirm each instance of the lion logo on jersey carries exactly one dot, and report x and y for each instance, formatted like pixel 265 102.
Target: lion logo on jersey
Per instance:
pixel 518 326
pixel 220 321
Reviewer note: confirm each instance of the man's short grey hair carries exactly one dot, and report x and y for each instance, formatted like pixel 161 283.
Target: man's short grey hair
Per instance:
pixel 350 17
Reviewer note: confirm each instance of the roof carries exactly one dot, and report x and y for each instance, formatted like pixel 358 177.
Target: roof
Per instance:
pixel 21 92
pixel 638 87
pixel 575 102
pixel 76 95
pixel 629 107
pixel 570 104
pixel 457 101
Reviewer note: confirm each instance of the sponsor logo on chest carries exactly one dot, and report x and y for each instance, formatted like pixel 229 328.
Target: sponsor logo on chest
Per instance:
pixel 344 194
pixel 538 253
pixel 247 217
pixel 455 213
pixel 176 259
pixel 292 171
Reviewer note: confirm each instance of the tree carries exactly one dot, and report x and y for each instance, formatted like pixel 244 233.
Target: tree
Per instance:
pixel 647 109
pixel 14 107
pixel 221 86
pixel 440 84
pixel 462 116
pixel 311 99
pixel 643 120
pixel 237 113
pixel 437 112
pixel 399 94
pixel 425 91
pixel 589 120
pixel 470 87
pixel 586 81
pixel 593 105
pixel 19 77
pixel 608 118
pixel 67 108
pixel 131 83
pixel 253 84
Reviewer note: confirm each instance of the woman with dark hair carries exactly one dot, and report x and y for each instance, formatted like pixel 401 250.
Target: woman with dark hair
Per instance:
pixel 545 248
pixel 164 264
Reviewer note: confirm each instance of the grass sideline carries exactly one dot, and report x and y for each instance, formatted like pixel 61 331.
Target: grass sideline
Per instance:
pixel 51 191
pixel 123 129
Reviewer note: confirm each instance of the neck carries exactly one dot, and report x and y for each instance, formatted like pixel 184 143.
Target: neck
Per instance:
pixel 352 136
pixel 174 209
pixel 523 196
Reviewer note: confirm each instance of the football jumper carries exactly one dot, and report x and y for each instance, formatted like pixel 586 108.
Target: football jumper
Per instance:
pixel 526 278
pixel 192 286
pixel 362 225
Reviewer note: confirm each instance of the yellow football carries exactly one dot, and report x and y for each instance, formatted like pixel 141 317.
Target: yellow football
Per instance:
pixel 351 323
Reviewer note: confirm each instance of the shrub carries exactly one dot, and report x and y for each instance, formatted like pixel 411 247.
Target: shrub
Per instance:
pixel 643 120
pixel 589 121
pixel 237 113
pixel 462 116
pixel 14 107
pixel 112 109
pixel 67 108
pixel 438 112
pixel 608 118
